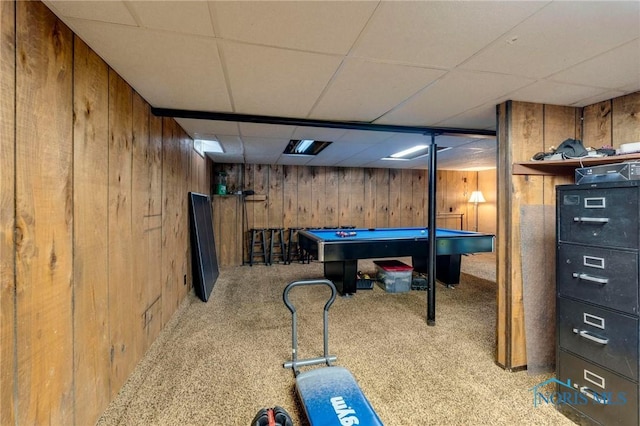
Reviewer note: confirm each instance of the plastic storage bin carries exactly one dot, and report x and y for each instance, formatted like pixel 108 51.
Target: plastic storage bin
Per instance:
pixel 394 276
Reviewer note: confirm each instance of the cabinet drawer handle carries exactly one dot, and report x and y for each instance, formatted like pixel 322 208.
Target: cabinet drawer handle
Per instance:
pixel 590 393
pixel 591 219
pixel 589 336
pixel 587 277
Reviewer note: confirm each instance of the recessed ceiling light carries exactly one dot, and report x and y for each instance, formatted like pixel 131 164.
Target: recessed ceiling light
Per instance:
pixel 305 147
pixel 407 152
pixel 413 153
pixel 203 146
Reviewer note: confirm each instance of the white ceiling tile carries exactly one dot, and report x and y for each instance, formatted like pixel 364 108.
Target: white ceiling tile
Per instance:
pixel 603 96
pixel 350 95
pixel 550 41
pixel 267 130
pixel 112 11
pixel 294 160
pixel 208 127
pixel 226 158
pixel 327 26
pixel 318 133
pixel 161 78
pixel 625 73
pixel 482 117
pixel 276 82
pixel 440 34
pixel 549 92
pixel 263 150
pixel 452 95
pixel 188 17
pixel 232 145
pixel 364 137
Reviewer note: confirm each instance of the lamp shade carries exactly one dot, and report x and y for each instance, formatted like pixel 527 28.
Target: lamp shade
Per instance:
pixel 477 197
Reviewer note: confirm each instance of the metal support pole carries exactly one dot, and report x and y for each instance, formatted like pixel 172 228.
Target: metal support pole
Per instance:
pixel 431 226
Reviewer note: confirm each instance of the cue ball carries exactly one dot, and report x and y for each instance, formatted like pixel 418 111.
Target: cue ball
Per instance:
pixel 422 232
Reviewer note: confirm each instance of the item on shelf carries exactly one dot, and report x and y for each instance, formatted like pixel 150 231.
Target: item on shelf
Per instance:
pixel 568 149
pixel 617 172
pixel 629 148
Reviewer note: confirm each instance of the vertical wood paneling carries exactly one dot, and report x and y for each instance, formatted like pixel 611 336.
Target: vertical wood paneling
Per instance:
pixel 153 314
pixel 597 125
pixel 419 198
pixel 523 130
pixel 395 189
pixel 91 214
pixel 44 217
pixel 406 198
pixel 318 196
pixel 261 186
pixel 356 183
pixel 7 208
pixel 123 318
pixel 344 197
pixel 142 223
pixel 626 119
pixel 526 127
pixel 560 123
pixel 369 198
pixel 275 198
pixel 290 187
pixel 182 218
pixel 382 198
pixel 304 197
pixel 503 257
pixel 87 207
pixel 249 206
pixel 170 257
pixel 228 222
pixel 331 199
pixel 488 213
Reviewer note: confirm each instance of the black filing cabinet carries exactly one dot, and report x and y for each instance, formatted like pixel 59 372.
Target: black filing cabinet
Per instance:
pixel 597 305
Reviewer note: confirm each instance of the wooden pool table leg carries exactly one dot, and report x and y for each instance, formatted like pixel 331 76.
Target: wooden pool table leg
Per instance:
pixel 343 274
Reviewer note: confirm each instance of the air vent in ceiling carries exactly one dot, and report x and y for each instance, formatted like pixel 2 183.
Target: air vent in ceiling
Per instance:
pixel 305 147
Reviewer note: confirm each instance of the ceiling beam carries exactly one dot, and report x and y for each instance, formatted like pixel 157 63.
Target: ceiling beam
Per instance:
pixel 349 125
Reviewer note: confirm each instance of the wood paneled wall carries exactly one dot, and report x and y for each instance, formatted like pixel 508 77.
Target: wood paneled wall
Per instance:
pixel 308 197
pixel 94 253
pixel 7 213
pixel 523 130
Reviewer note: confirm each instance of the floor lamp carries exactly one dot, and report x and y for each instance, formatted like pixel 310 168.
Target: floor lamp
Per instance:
pixel 477 197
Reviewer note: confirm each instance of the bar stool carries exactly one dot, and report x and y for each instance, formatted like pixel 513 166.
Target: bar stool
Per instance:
pixel 258 246
pixel 293 249
pixel 276 245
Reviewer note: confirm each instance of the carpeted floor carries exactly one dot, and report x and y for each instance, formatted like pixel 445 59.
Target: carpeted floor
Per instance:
pixel 218 363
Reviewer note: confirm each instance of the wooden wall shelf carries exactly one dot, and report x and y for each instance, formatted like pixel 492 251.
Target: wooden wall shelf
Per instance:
pixel 256 197
pixel 567 167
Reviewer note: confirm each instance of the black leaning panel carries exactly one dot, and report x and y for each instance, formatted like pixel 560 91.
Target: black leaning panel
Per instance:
pixel 204 259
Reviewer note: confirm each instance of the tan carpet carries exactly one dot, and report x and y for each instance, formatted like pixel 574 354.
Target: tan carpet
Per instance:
pixel 218 363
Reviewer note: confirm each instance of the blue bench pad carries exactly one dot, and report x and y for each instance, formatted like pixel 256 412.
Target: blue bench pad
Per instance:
pixel 331 396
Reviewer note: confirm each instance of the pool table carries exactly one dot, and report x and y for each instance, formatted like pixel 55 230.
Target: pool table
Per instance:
pixel 340 253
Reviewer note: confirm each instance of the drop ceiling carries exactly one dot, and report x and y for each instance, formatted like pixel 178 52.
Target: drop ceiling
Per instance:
pixel 402 63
